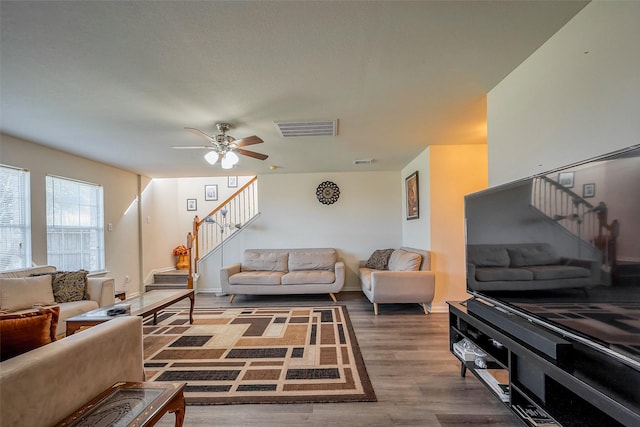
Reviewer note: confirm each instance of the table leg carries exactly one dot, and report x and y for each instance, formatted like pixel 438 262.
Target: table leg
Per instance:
pixel 192 298
pixel 178 408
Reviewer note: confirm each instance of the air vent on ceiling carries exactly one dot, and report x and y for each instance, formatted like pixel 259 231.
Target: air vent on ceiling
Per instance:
pixel 363 162
pixel 307 128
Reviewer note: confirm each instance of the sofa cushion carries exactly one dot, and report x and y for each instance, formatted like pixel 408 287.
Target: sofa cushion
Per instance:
pixel 256 278
pixel 402 260
pixel 29 271
pixel 25 292
pixel 557 272
pixel 312 277
pixel 540 254
pixel 379 259
pixel 264 261
pixel 20 333
pixel 312 260
pixel 491 274
pixel 488 256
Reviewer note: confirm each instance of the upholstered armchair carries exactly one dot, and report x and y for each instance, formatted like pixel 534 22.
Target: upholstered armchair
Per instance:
pixel 406 278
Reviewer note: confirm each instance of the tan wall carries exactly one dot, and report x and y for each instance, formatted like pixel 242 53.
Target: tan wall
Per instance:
pixel 120 206
pixel 455 170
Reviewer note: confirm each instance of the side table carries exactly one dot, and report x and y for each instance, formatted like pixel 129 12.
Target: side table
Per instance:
pixel 131 404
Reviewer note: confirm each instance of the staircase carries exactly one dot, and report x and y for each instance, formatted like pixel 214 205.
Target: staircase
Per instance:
pixel 176 279
pixel 210 232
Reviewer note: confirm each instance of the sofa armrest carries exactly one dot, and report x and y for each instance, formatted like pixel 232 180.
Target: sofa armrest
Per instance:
pixel 592 265
pixel 397 284
pixel 339 271
pixel 90 362
pixel 226 272
pixel 101 290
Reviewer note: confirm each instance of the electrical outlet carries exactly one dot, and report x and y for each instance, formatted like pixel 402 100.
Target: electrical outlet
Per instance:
pixel 109 227
pixel 126 279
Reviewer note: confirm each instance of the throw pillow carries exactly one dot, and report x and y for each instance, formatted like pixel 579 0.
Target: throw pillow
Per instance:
pixel 402 260
pixel 70 286
pixel 379 259
pixel 21 293
pixel 23 332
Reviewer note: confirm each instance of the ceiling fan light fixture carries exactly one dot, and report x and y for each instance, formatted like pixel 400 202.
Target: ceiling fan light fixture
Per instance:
pixel 211 157
pixel 226 162
pixel 233 157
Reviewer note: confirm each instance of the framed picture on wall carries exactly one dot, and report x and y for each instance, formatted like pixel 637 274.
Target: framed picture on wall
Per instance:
pixel 192 204
pixel 413 202
pixel 565 179
pixel 589 190
pixel 211 192
pixel 232 181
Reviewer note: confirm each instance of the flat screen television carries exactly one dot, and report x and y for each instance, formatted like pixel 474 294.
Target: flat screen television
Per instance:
pixel 562 249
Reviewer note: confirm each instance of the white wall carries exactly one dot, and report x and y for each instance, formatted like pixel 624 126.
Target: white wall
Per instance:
pixel 166 221
pixel 120 209
pixel 416 233
pixel 563 105
pixel 367 216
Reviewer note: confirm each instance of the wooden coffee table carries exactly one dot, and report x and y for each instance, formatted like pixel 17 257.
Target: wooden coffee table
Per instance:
pixel 131 404
pixel 146 304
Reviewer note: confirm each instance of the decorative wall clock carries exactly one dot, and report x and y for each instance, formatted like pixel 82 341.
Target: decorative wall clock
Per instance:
pixel 327 193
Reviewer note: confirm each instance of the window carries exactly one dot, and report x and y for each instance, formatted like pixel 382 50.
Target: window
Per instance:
pixel 75 225
pixel 15 219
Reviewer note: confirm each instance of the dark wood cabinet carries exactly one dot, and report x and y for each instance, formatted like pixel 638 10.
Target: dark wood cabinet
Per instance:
pixel 572 383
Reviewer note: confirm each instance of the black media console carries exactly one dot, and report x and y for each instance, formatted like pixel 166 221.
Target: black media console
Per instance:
pixel 574 384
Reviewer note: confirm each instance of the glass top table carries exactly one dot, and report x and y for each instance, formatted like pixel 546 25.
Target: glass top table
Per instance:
pixel 130 404
pixel 144 305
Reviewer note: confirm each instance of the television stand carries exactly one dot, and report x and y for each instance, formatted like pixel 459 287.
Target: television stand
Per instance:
pixel 538 373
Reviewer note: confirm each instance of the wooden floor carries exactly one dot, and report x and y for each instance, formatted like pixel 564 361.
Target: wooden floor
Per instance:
pixel 416 379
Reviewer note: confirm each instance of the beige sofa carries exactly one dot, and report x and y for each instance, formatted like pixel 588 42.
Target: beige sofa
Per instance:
pixel 284 271
pixel 100 290
pixel 409 279
pixel 44 385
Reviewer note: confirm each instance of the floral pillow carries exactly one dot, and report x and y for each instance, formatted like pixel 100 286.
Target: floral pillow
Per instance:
pixel 379 259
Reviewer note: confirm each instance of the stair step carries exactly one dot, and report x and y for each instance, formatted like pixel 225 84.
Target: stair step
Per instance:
pixel 176 276
pixel 164 286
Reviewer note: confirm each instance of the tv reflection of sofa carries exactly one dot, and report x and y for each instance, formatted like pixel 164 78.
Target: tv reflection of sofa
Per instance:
pixel 526 266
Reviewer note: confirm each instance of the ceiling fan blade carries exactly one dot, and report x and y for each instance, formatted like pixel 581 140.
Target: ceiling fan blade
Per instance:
pixel 194 147
pixel 250 140
pixel 252 154
pixel 202 134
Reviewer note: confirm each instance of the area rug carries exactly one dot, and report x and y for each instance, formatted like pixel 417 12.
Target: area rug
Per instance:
pixel 258 355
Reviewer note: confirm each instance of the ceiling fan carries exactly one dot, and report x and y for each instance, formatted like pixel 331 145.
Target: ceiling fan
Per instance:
pixel 224 147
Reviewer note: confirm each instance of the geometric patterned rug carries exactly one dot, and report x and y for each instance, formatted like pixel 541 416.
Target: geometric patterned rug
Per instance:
pixel 258 355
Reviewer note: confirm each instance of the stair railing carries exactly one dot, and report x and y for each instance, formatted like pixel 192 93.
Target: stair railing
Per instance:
pixel 220 224
pixel 577 215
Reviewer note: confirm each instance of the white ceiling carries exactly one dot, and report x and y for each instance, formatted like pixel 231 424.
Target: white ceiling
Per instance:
pixel 118 81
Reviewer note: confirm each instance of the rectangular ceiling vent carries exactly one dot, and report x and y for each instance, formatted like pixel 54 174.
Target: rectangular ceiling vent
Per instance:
pixel 307 128
pixel 363 162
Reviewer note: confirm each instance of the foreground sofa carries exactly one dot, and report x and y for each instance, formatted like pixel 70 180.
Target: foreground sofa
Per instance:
pixel 526 267
pixel 284 271
pixel 44 385
pixel 405 278
pixel 100 291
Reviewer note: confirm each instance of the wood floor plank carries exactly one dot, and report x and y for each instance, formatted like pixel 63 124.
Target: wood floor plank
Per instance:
pixel 415 377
